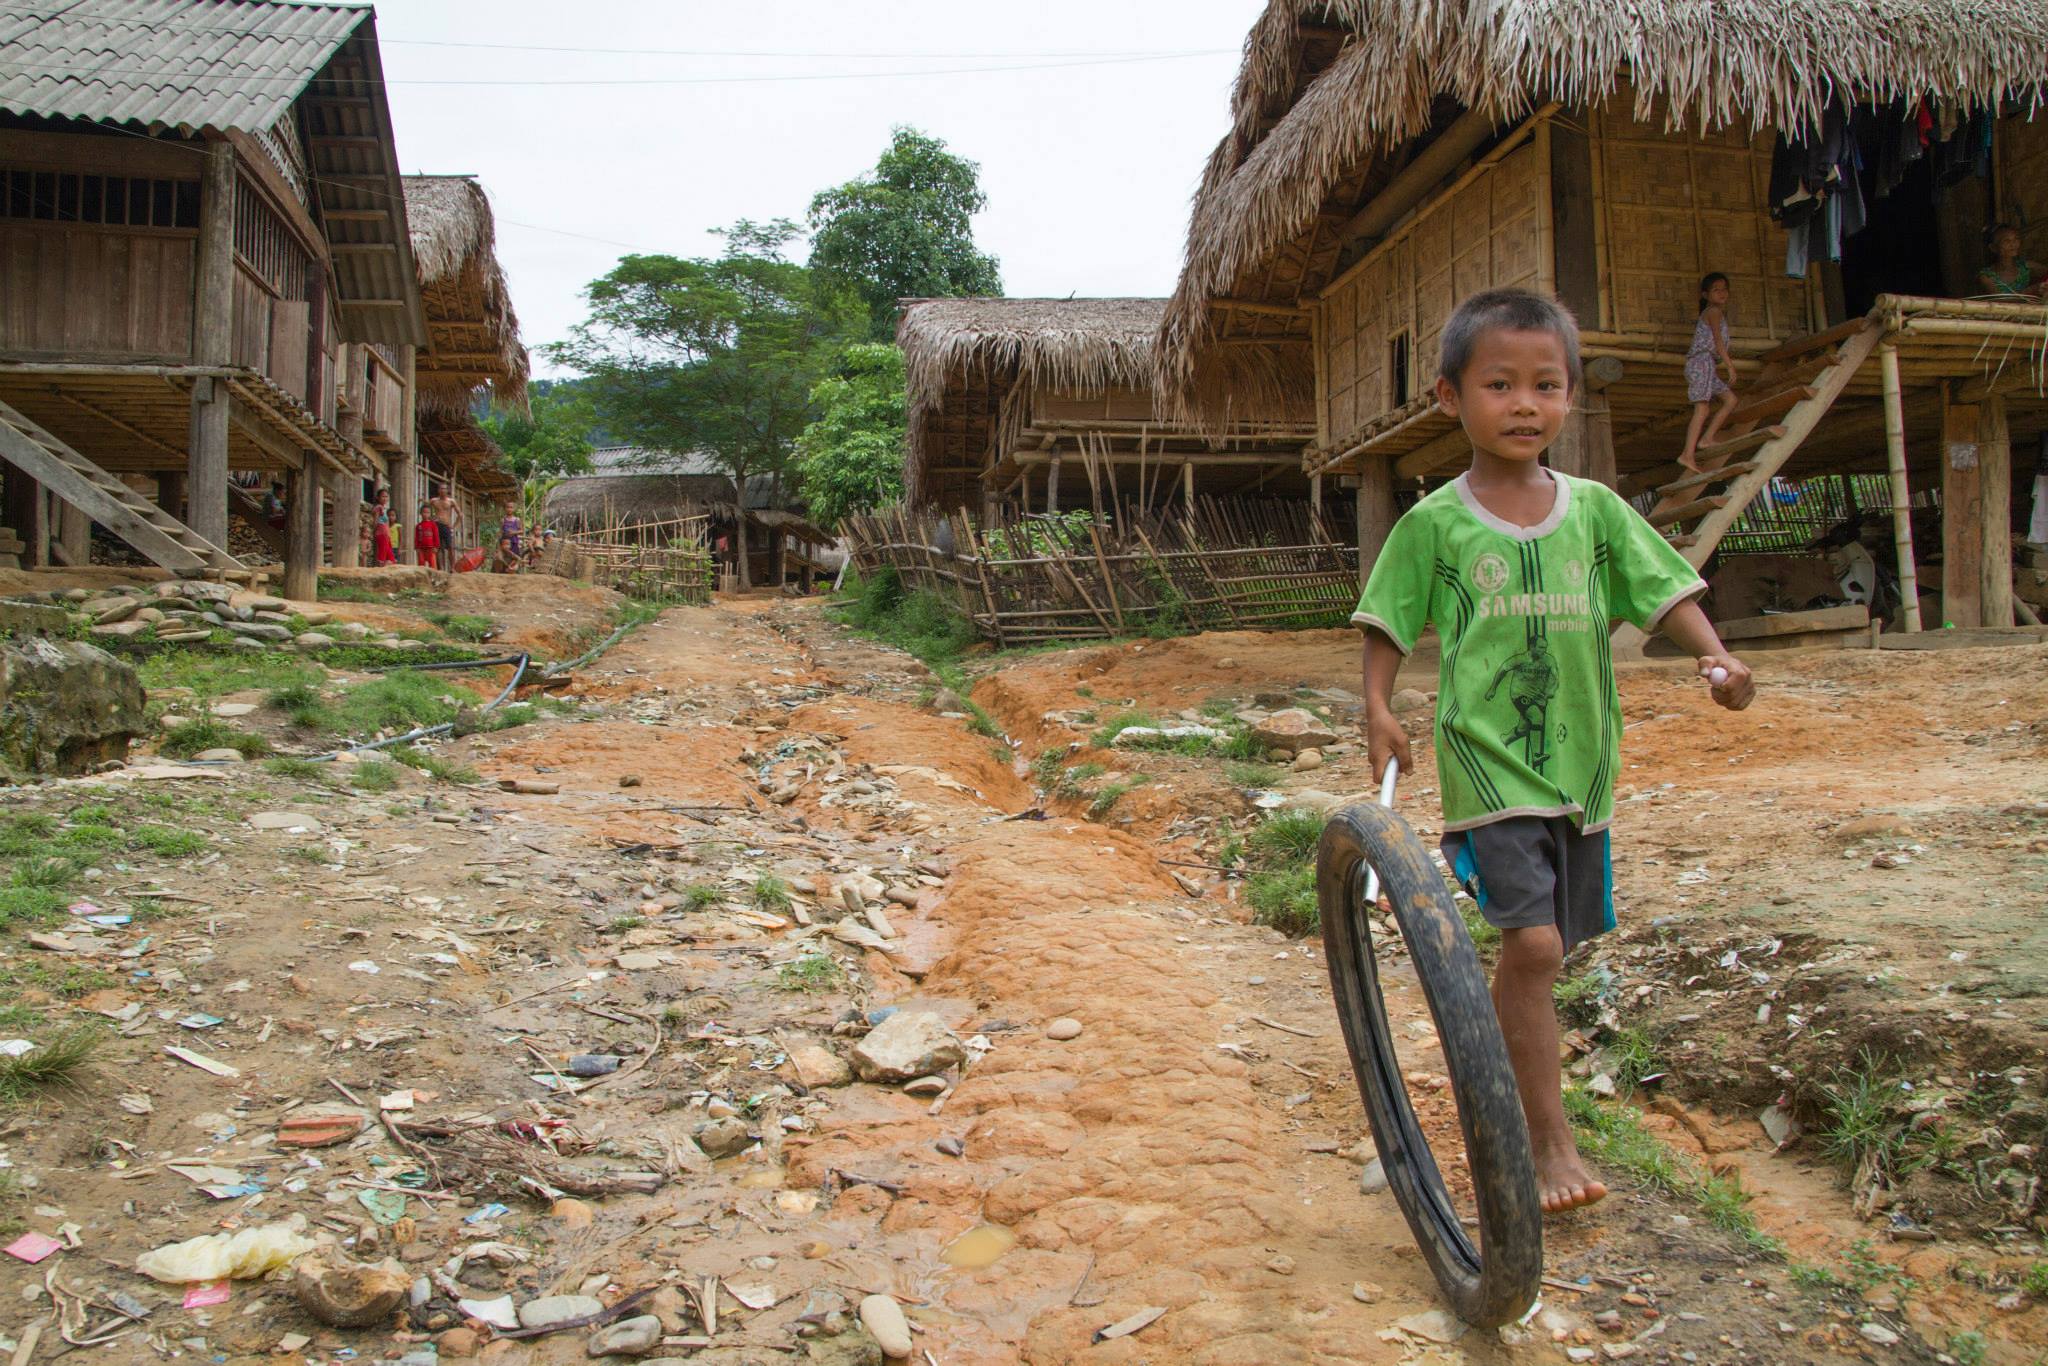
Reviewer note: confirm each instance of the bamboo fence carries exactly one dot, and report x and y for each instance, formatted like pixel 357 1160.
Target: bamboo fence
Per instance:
pixel 655 561
pixel 1218 565
pixel 1790 514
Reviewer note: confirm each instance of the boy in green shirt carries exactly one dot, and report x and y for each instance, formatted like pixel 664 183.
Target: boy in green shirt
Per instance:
pixel 1522 572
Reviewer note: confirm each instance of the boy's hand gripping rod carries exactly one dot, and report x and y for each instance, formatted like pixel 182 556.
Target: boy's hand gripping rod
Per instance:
pixel 1372 877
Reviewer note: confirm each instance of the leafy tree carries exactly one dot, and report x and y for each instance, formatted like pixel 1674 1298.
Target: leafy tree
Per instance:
pixel 552 438
pixel 712 356
pixel 904 230
pixel 851 458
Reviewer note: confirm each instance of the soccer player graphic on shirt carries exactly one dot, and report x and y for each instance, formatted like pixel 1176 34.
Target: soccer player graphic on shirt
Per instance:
pixel 1532 681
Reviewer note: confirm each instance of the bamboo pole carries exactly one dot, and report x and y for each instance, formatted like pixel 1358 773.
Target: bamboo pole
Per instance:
pixel 1902 499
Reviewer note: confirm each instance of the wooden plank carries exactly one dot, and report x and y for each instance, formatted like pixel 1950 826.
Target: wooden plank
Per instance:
pixel 1814 341
pixel 1962 516
pixel 1720 476
pixel 99 495
pixel 1854 616
pixel 1685 512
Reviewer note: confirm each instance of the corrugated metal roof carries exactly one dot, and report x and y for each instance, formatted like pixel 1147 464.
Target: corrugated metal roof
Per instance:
pixel 187 65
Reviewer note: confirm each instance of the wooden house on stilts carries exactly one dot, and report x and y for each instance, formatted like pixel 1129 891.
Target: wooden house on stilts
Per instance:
pixel 1033 405
pixel 1839 163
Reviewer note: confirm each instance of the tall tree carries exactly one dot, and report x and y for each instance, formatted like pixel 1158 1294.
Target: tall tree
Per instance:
pixel 715 356
pixel 904 230
pixel 553 437
pixel 851 458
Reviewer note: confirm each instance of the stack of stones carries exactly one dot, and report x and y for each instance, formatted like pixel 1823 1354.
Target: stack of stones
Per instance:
pixel 10 549
pixel 187 611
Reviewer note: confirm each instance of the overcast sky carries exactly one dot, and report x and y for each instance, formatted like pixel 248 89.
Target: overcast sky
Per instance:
pixel 1090 143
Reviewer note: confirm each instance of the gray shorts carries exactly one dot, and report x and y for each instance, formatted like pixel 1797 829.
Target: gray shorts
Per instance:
pixel 1526 871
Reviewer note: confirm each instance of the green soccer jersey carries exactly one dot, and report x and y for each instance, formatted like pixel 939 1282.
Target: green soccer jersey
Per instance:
pixel 1528 722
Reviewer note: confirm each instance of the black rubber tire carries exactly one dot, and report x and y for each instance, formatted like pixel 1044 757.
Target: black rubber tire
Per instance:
pixel 1498 1281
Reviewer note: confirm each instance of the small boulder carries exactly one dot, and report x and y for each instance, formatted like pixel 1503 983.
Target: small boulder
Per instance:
pixel 347 1294
pixel 907 1045
pixel 65 706
pixel 352 630
pixel 121 630
pixel 265 604
pixel 634 1337
pixel 818 1067
pixel 1293 730
pixel 1409 699
pixel 946 700
pixel 1307 760
pixel 219 756
pixel 1063 1029
pixel 883 1317
pixel 314 640
pixel 723 1137
pixel 107 611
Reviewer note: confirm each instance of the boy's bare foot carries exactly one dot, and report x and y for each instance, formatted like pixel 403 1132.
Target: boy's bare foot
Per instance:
pixel 1690 462
pixel 1563 1181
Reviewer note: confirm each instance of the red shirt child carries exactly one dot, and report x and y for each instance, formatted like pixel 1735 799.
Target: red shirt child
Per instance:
pixel 426 539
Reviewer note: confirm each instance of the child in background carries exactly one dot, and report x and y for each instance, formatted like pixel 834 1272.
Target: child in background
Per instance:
pixel 2011 274
pixel 1709 355
pixel 1522 571
pixel 510 530
pixel 380 529
pixel 426 538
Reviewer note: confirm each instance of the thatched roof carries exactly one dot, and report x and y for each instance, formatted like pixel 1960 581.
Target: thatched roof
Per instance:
pixel 1329 86
pixel 960 354
pixel 473 332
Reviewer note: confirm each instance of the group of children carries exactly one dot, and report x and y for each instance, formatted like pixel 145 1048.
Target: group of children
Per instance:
pixel 2008 275
pixel 433 536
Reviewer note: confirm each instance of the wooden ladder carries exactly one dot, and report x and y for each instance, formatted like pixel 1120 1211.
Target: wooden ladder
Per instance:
pixel 1799 384
pixel 162 538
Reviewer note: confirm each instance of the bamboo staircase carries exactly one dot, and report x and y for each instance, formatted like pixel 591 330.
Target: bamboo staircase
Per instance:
pixel 160 537
pixel 1799 383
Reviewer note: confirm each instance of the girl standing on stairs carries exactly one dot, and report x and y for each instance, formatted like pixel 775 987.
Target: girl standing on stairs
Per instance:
pixel 1703 385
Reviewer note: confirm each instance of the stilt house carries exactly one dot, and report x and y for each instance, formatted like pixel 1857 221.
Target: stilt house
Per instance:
pixel 1388 158
pixel 1032 405
pixel 202 240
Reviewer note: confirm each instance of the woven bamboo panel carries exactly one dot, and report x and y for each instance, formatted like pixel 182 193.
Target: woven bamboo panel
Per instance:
pixel 2023 182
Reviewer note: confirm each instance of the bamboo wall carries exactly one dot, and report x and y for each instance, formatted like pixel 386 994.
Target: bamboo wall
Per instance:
pixel 1488 232
pixel 1222 565
pixel 1671 206
pixel 2023 181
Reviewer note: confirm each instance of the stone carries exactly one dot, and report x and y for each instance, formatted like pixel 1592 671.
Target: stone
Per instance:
pixel 66 707
pixel 149 616
pixel 458 1342
pixel 219 756
pixel 945 700
pixel 909 1044
pixel 629 780
pixel 573 1213
pixel 313 640
pixel 122 630
pixel 1373 1179
pixel 1879 1334
pixel 1282 1265
pixel 352 630
pixel 180 637
pixel 550 1310
pixel 1293 730
pixel 1409 699
pixel 265 604
pixel 260 630
pixel 273 618
pixel 1063 1029
pixel 1312 799
pixel 230 710
pixel 107 611
pixel 883 1317
pixel 28 619
pixel 195 590
pixel 316 618
pixel 927 1086
pixel 1137 736
pixel 1306 760
pixel 723 1137
pixel 297 821
pixel 818 1067
pixel 634 1337
pixel 1434 1324
pixel 348 1294
pixel 1366 1292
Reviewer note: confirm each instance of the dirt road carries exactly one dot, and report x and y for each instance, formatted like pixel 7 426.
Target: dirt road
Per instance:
pixel 1194 1149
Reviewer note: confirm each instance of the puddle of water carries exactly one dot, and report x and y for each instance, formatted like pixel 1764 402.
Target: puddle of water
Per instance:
pixel 980 1246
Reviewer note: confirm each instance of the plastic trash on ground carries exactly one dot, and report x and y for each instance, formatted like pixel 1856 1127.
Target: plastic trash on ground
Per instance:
pixel 239 1256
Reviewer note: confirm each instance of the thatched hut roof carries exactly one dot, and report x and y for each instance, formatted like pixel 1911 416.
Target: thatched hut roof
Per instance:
pixel 960 355
pixel 473 332
pixel 1329 89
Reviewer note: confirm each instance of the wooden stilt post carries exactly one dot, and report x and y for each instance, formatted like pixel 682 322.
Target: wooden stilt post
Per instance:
pixel 1902 495
pixel 1375 512
pixel 1052 483
pixel 1994 479
pixel 302 530
pixel 344 488
pixel 1187 484
pixel 1962 514
pixel 74 536
pixel 1315 493
pixel 213 333
pixel 405 495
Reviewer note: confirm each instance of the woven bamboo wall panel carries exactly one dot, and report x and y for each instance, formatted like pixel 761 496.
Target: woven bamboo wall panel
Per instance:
pixel 1489 233
pixel 2023 180
pixel 1675 205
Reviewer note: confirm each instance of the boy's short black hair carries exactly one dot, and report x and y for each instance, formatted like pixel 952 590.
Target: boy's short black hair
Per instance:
pixel 1510 310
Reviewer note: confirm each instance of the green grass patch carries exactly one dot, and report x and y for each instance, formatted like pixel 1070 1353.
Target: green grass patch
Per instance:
pixel 434 766
pixel 45 873
pixel 1238 744
pixel 401 702
pixel 363 657
pixel 1285 898
pixel 518 714
pixel 2035 1282
pixel 192 737
pixel 89 836
pixel 1482 933
pixel 1118 724
pixel 771 893
pixel 294 768
pixel 211 673
pixel 1105 800
pixel 1857 1123
pixel 54 1060
pixel 31 905
pixel 373 776
pixel 165 842
pixel 812 972
pixel 463 626
pixel 1614 1137
pixel 1073 781
pixel 700 896
pixel 1287 837
pixel 1578 998
pixel 1969 1348
pixel 922 623
pixel 1633 1056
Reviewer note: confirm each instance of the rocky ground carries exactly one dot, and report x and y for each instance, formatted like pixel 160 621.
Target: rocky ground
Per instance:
pixel 791 1004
